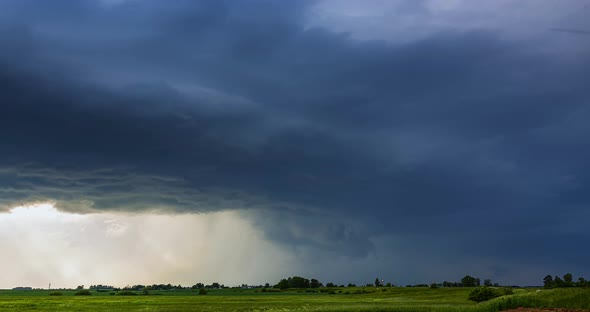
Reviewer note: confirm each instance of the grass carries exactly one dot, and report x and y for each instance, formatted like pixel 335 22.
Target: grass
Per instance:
pixel 393 299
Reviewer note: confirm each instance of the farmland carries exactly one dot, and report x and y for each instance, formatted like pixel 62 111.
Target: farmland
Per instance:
pixel 334 299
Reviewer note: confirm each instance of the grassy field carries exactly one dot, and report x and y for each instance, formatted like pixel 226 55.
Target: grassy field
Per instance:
pixel 343 299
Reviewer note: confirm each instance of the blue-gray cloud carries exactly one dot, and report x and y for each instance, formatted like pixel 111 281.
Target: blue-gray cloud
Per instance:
pixel 329 141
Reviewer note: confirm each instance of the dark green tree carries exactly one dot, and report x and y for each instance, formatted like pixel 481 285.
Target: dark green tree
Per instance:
pixel 314 283
pixel 377 282
pixel 558 282
pixel 487 282
pixel 568 280
pixel 468 281
pixel 548 282
pixel 283 284
pixel 298 282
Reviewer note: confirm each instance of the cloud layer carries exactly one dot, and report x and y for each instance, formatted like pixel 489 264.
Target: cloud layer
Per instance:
pixel 323 140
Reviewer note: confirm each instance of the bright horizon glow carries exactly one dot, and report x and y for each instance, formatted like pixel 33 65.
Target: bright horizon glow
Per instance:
pixel 39 211
pixel 42 245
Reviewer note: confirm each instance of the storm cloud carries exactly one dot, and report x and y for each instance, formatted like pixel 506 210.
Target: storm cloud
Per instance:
pixel 327 142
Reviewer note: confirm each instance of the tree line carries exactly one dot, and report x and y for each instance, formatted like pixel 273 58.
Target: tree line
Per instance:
pixel 567 281
pixel 300 282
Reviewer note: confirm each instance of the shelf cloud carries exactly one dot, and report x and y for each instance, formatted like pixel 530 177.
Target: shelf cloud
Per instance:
pixel 331 144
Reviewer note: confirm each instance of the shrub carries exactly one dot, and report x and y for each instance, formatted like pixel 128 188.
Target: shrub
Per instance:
pixel 507 291
pixel 202 291
pixel 483 294
pixel 126 293
pixel 55 293
pixel 83 292
pixel 433 285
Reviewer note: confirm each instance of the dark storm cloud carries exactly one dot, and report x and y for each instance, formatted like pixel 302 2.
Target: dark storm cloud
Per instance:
pixel 238 105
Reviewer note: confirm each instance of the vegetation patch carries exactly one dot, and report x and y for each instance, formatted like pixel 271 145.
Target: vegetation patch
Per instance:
pixel 483 293
pixel 83 292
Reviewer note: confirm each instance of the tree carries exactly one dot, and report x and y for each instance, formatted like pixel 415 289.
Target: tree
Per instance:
pixel 548 281
pixel 558 282
pixel 351 285
pixel 298 282
pixel 568 280
pixel 581 282
pixel 314 283
pixel 468 281
pixel 330 284
pixel 487 282
pixel 377 282
pixel 283 284
pixel 294 282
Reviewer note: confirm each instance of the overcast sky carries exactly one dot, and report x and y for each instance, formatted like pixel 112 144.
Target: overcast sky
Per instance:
pixel 246 141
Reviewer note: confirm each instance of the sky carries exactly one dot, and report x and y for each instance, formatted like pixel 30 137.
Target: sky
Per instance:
pixel 146 141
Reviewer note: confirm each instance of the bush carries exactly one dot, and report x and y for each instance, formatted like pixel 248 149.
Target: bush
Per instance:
pixel 126 293
pixel 83 292
pixel 202 291
pixel 55 293
pixel 483 294
pixel 507 291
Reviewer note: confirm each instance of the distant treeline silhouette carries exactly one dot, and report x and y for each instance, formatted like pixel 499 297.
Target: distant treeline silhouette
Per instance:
pixel 567 281
pixel 301 282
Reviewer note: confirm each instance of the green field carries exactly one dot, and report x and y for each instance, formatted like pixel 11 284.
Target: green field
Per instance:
pixel 342 299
